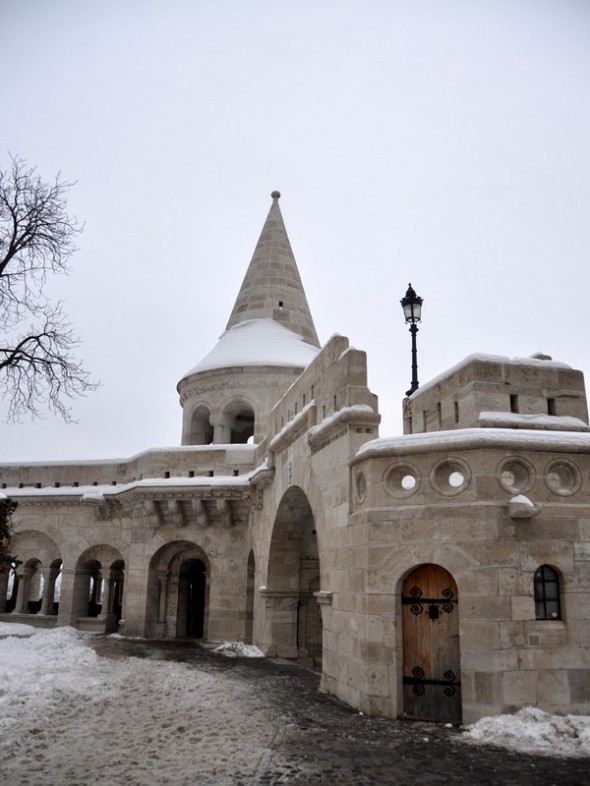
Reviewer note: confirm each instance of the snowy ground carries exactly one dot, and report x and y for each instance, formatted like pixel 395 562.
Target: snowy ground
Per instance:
pixel 61 704
pixel 135 721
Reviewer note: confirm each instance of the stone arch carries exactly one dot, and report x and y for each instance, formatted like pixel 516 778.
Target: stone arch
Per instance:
pixel 201 428
pixel 238 419
pixel 30 587
pixel 97 602
pixel 178 591
pixel 293 618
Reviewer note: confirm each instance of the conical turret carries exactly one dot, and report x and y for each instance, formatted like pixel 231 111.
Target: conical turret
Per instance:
pixel 269 339
pixel 272 287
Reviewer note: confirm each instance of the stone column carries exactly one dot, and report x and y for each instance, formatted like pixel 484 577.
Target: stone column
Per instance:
pixel 162 595
pixel 108 599
pixel 49 577
pixel 3 590
pixel 73 601
pixel 280 623
pixel 22 600
pixel 172 605
pixel 206 606
pixel 221 432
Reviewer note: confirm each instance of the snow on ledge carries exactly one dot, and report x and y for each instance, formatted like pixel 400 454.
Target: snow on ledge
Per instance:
pixel 471 438
pixel 98 494
pixel 535 421
pixel 341 415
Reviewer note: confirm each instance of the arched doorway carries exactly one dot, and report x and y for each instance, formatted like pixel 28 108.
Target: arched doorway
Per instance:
pixel 431 657
pixel 293 617
pixel 191 599
pixel 178 592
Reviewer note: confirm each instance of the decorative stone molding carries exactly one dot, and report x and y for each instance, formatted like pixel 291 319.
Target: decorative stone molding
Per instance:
pixel 200 512
pixel 152 512
pixel 279 599
pixel 323 597
pixel 521 507
pixel 254 497
pixel 175 510
pixel 224 510
pixel 103 508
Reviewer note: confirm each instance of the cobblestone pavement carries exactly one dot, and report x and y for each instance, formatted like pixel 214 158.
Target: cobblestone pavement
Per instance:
pixel 319 741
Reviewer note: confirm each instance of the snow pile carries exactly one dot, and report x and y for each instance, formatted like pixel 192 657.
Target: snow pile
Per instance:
pixel 234 649
pixel 531 730
pixel 37 670
pixel 15 629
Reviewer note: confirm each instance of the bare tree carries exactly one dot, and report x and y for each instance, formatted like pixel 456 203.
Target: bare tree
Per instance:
pixel 38 366
pixel 7 508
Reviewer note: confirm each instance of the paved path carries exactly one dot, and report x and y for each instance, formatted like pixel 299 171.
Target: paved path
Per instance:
pixel 315 739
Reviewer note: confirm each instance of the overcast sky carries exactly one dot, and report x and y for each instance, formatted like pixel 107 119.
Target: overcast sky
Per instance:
pixel 444 143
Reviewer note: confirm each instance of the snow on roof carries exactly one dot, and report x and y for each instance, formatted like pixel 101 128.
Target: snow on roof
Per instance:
pixel 247 448
pixel 472 438
pixel 257 342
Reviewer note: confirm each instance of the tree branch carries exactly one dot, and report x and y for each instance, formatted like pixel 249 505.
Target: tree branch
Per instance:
pixel 38 367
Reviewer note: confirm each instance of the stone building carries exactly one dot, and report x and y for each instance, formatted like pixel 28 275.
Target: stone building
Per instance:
pixel 442 574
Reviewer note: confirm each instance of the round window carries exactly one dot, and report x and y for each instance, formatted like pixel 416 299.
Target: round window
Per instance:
pixel 563 477
pixel 360 487
pixel 450 476
pixel 401 480
pixel 515 475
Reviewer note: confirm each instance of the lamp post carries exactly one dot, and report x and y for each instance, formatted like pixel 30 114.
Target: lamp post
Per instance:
pixel 412 306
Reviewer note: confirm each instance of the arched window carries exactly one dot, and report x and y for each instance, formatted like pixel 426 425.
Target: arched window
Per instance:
pixel 238 419
pixel 547 605
pixel 201 428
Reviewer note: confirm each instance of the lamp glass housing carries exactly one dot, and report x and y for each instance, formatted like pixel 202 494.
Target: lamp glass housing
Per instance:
pixel 412 306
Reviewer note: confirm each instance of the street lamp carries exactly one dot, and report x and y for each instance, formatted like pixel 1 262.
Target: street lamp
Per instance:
pixel 412 306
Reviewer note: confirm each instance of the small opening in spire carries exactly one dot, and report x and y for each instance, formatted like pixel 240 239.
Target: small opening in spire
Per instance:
pixel 281 304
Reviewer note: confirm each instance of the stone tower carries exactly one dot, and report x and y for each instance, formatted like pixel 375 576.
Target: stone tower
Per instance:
pixel 268 341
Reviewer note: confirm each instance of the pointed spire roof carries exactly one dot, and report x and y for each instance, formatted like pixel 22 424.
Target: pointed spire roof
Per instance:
pixel 272 287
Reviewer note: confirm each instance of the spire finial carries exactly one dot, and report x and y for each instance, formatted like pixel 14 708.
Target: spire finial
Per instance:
pixel 276 195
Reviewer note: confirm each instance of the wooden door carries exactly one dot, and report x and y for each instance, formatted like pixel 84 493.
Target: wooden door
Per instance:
pixel 431 662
